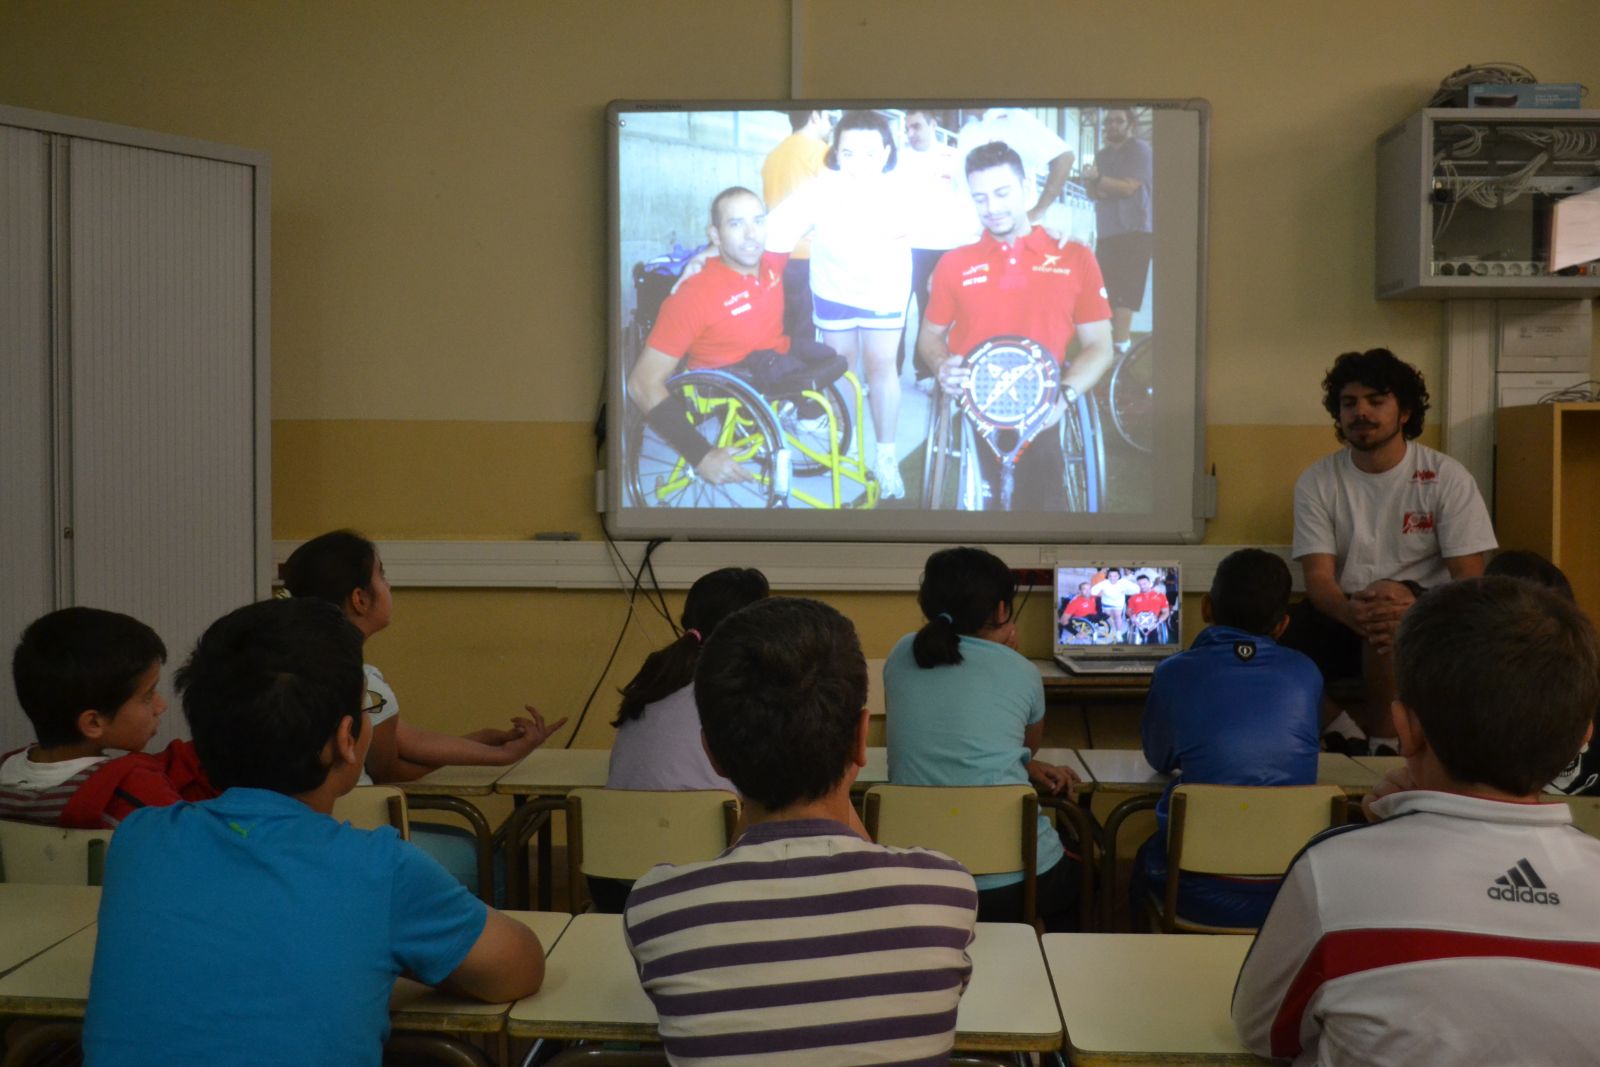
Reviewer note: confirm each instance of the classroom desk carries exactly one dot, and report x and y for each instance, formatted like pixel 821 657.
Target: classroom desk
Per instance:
pixel 1124 770
pixel 35 917
pixel 1008 1005
pixel 1143 999
pixel 1380 765
pixel 55 983
pixel 417 1007
pixel 591 992
pixel 1072 759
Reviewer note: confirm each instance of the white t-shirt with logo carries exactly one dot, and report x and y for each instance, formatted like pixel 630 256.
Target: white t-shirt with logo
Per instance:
pixel 1114 594
pixel 391 707
pixel 1399 525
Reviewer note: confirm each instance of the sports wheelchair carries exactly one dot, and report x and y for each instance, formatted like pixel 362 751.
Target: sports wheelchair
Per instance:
pixel 798 448
pixel 1010 394
pixel 1143 629
pixel 807 434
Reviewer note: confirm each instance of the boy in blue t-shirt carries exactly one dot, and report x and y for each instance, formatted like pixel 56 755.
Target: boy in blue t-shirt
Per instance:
pixel 253 928
pixel 1235 709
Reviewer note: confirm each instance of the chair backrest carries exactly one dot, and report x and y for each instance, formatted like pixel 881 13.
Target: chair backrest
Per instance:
pixel 1247 830
pixel 988 829
pixel 49 855
pixel 1241 830
pixel 1585 814
pixel 622 833
pixel 367 807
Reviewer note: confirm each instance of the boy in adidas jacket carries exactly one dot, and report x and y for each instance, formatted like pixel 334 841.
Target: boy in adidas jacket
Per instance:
pixel 1462 928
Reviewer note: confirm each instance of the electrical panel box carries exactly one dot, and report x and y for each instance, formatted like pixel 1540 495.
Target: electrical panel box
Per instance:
pixel 1467 199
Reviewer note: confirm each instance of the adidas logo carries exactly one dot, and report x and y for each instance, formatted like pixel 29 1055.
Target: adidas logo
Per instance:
pixel 1522 885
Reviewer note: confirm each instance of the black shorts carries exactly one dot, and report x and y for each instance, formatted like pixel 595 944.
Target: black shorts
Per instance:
pixel 1332 646
pixel 1124 264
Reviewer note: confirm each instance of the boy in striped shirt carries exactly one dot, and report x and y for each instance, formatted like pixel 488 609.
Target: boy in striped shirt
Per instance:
pixel 804 942
pixel 87 680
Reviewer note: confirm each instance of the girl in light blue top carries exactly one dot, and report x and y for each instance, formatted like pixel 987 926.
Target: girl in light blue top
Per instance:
pixel 965 708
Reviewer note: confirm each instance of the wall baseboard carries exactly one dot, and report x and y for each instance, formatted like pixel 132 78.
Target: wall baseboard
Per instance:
pixel 793 567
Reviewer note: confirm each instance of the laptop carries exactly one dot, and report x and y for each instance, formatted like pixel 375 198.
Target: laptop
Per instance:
pixel 1117 616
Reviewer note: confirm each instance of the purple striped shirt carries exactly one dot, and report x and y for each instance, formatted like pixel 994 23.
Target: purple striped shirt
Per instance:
pixel 805 944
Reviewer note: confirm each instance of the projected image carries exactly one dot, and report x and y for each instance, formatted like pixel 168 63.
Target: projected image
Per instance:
pixel 894 308
pixel 1108 604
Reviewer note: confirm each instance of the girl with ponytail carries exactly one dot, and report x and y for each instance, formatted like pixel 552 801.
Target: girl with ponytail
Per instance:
pixel 658 726
pixel 965 708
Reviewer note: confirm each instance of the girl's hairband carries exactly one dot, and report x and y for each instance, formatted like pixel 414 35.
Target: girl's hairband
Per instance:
pixel 945 615
pixel 695 634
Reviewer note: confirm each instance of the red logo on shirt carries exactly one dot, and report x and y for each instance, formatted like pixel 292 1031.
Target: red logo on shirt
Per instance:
pixel 1417 522
pixel 1425 476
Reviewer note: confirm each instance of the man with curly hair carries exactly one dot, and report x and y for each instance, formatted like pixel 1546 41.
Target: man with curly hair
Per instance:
pixel 1375 524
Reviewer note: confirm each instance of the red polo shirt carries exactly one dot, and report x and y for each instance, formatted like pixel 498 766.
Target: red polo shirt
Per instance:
pixel 719 316
pixel 1154 602
pixel 1080 605
pixel 1032 288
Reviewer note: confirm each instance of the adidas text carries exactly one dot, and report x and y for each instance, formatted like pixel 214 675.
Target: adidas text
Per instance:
pixel 1523 895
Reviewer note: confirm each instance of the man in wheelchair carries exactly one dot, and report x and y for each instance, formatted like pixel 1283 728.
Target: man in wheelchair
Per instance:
pixel 727 317
pixel 1149 611
pixel 1017 280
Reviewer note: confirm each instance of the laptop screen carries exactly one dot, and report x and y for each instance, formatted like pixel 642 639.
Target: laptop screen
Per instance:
pixel 1119 606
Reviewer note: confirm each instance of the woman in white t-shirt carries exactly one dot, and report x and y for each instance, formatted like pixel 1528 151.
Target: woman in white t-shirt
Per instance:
pixel 859 212
pixel 1114 591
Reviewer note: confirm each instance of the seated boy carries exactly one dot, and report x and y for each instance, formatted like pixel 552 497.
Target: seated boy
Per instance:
pixel 87 680
pixel 1462 927
pixel 1235 709
pixel 253 928
pixel 804 939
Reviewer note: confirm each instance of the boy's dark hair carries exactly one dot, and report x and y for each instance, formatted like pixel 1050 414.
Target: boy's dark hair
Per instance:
pixel 712 598
pixel 996 154
pixel 1503 675
pixel 77 660
pixel 1530 567
pixel 1380 369
pixel 1250 591
pixel 331 567
pixel 780 688
pixel 266 688
pixel 961 587
pixel 862 120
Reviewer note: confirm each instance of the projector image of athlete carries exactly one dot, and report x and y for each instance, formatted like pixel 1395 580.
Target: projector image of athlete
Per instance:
pixel 728 316
pixel 1017 280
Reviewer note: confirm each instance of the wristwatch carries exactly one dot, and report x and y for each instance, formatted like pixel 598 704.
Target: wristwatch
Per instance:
pixel 1068 393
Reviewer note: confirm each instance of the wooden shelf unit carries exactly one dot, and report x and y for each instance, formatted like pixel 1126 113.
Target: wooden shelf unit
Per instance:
pixel 1547 488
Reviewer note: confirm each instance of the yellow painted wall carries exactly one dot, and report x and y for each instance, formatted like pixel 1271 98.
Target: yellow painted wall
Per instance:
pixel 439 220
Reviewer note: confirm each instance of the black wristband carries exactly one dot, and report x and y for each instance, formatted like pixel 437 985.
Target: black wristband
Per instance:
pixel 670 419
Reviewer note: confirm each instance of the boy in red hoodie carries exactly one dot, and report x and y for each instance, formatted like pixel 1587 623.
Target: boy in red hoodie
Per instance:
pixel 87 680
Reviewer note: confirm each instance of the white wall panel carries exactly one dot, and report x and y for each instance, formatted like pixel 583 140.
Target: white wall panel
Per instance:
pixel 26 500
pixel 163 381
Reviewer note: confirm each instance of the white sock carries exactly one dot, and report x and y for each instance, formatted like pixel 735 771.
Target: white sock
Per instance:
pixel 1344 726
pixel 1122 346
pixel 886 454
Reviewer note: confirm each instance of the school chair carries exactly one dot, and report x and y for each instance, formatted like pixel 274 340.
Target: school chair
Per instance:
pixel 1585 814
pixel 1243 831
pixel 621 833
pixel 367 807
pixel 988 829
pixel 50 855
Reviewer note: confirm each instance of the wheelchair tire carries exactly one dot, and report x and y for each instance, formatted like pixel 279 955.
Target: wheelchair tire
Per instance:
pixel 1083 449
pixel 659 477
pixel 1132 394
pixel 817 440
